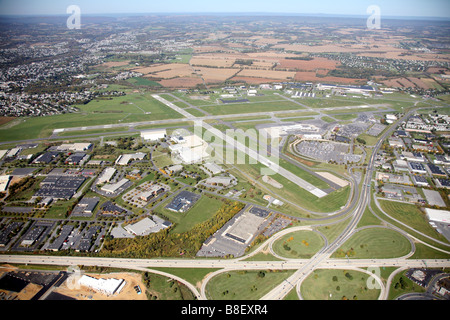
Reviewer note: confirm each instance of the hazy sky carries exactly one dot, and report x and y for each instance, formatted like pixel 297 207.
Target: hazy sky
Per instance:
pixel 425 8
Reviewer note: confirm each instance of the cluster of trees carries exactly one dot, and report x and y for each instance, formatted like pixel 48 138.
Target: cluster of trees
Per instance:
pixel 17 188
pixel 128 143
pixel 401 284
pixel 169 244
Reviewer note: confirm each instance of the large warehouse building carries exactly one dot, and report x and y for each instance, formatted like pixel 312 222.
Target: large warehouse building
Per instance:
pixel 440 220
pixel 441 216
pixel 153 135
pixel 105 286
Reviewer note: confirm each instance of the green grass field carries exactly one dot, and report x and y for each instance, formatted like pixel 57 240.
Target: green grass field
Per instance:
pixel 244 285
pixel 225 109
pixel 134 103
pixel 204 209
pixel 130 108
pixel 324 284
pixel 376 243
pixel 296 194
pixel 410 215
pixel 299 245
pixel 143 82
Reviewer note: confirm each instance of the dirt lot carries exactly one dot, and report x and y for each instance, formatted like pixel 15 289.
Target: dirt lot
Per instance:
pixel 213 62
pixel 4 120
pixel 127 293
pixel 113 64
pixel 304 65
pixel 166 71
pixel 184 82
pixel 279 75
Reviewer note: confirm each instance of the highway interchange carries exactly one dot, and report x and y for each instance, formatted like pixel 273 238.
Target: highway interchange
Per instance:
pixel 304 267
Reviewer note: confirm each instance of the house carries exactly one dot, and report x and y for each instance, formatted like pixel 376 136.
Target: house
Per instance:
pixel 46 158
pixel 74 147
pixel 436 171
pixel 141 228
pixel 441 216
pixel 391 191
pixel 175 169
pixel 105 286
pixel 220 181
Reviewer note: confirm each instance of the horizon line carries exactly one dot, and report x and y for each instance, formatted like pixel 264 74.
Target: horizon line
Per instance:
pixel 246 13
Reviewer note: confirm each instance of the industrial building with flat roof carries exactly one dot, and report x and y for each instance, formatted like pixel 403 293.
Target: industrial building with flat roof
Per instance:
pixel 105 286
pixel 106 175
pixel 183 201
pixel 123 160
pixel 75 147
pixel 4 182
pixel 153 135
pixel 60 187
pixel 85 207
pixel 114 187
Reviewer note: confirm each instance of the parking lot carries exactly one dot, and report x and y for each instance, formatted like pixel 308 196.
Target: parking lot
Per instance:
pixel 327 151
pixel 236 235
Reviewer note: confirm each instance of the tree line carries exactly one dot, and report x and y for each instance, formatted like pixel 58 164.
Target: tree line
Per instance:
pixel 170 244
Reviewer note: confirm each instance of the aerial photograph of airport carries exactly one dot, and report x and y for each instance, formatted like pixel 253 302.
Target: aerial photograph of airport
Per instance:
pixel 238 151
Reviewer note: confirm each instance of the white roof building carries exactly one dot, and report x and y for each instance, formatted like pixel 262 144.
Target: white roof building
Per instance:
pixel 434 215
pixel 391 117
pixel 76 147
pixel 141 228
pixel 213 167
pixel 4 182
pixel 123 160
pixel 13 152
pixel 105 286
pixel 153 135
pixel 111 188
pixel 226 181
pixel 194 150
pixel 106 176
